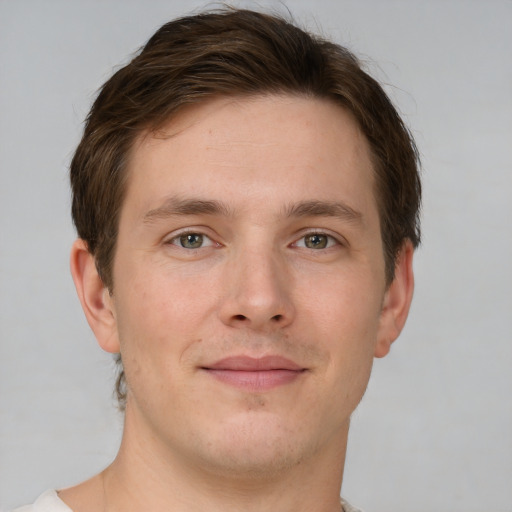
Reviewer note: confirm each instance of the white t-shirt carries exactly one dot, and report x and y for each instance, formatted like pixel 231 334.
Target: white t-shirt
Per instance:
pixel 50 502
pixel 47 502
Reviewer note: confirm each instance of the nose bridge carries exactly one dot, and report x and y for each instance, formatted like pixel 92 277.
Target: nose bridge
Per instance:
pixel 259 291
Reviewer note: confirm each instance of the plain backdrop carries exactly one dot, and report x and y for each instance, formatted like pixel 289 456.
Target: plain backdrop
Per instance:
pixel 434 431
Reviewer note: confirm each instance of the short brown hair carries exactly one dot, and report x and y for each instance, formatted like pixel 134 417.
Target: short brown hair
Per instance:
pixel 236 53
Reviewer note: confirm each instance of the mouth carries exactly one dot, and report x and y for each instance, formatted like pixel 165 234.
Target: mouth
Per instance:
pixel 255 374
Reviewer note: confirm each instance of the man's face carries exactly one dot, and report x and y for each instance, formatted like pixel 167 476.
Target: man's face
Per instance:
pixel 249 282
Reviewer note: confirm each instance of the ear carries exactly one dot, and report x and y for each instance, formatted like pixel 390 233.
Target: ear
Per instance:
pixel 397 301
pixel 97 303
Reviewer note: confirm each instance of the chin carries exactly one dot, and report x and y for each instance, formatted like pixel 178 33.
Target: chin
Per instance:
pixel 252 450
pixel 254 463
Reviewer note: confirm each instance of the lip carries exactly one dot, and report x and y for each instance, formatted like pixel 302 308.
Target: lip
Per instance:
pixel 255 374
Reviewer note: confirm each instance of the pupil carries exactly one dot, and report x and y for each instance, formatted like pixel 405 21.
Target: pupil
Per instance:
pixel 316 241
pixel 191 241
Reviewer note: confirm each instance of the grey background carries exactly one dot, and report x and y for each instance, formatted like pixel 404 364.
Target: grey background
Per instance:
pixel 434 431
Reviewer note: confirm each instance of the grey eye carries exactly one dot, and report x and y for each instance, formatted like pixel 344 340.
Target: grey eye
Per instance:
pixel 191 240
pixel 316 241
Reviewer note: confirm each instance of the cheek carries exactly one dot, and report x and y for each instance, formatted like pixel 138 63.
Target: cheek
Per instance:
pixel 157 320
pixel 344 318
pixel 345 305
pixel 159 298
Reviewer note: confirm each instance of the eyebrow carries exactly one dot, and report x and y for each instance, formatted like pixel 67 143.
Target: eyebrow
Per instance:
pixel 175 206
pixel 336 209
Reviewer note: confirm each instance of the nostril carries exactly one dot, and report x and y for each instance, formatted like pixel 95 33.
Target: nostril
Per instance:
pixel 240 317
pixel 277 318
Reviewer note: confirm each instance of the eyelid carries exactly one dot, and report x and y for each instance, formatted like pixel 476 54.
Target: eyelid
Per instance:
pixel 173 237
pixel 336 237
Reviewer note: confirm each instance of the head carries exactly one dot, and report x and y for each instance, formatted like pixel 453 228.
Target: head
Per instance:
pixel 243 55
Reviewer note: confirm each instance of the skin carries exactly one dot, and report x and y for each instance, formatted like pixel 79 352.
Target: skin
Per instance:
pixel 283 258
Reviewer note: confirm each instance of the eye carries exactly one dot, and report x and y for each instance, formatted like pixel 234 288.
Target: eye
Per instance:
pixel 316 241
pixel 191 241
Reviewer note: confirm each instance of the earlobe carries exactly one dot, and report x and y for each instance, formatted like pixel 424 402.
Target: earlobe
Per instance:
pixel 97 303
pixel 397 301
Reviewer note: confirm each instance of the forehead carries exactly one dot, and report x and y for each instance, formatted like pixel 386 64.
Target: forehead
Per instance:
pixel 265 145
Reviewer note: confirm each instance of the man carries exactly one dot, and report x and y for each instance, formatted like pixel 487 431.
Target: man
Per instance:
pixel 246 200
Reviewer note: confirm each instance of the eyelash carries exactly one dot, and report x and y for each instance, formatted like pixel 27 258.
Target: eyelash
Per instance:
pixel 177 240
pixel 330 240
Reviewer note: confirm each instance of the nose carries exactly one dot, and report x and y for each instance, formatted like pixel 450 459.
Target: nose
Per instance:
pixel 258 292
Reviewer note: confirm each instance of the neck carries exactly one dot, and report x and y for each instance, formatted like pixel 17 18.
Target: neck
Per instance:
pixel 148 476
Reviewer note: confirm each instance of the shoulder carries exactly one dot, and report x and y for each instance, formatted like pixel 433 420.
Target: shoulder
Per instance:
pixel 47 502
